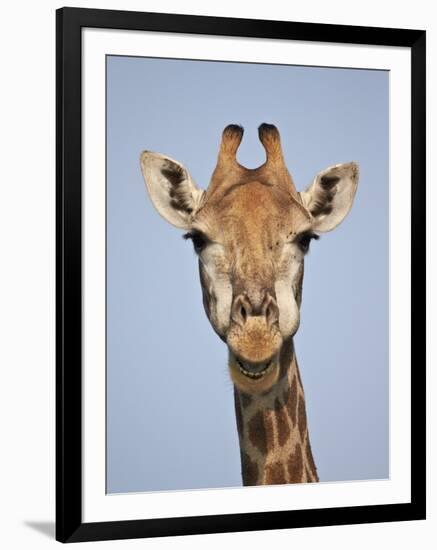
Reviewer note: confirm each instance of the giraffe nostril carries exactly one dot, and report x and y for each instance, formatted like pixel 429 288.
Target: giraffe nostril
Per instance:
pixel 243 313
pixel 241 310
pixel 271 311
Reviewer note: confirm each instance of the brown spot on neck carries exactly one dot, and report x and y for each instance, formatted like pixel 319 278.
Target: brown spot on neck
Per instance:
pixel 310 461
pixel 246 399
pixel 275 473
pixel 238 414
pixel 295 465
pixel 290 398
pixel 257 432
pixel 249 470
pixel 282 422
pixel 302 417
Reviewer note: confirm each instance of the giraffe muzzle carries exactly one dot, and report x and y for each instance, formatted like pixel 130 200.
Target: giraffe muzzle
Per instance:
pixel 254 341
pixel 252 377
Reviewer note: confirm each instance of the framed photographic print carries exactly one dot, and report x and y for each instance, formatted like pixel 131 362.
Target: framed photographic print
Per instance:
pixel 209 383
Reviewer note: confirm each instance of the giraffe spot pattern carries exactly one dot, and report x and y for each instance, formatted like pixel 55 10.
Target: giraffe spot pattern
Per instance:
pixel 238 415
pixel 295 465
pixel 246 399
pixel 257 432
pixel 249 470
pixel 310 460
pixel 269 426
pixel 290 398
pixel 302 417
pixel 269 430
pixel 308 474
pixel 299 379
pixel 275 474
pixel 282 423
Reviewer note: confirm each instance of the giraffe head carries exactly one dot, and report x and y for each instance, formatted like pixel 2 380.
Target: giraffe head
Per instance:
pixel 251 230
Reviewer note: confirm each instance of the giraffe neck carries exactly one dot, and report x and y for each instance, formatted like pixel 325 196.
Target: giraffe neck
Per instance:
pixel 272 429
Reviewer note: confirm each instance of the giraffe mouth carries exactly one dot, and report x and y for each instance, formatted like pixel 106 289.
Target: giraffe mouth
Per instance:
pixel 255 372
pixel 253 377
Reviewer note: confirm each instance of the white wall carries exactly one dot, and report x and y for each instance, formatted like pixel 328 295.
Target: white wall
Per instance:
pixel 27 124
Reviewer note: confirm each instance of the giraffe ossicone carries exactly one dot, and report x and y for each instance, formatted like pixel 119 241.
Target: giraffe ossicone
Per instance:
pixel 251 230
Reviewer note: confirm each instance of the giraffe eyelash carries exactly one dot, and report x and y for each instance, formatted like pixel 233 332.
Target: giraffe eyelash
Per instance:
pixel 304 239
pixel 198 239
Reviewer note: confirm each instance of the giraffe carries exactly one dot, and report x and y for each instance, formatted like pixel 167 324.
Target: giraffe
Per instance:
pixel 251 230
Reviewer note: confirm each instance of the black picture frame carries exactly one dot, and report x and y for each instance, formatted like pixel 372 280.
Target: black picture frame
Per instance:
pixel 69 24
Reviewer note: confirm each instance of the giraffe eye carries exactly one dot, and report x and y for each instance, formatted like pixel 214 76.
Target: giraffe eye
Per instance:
pixel 199 240
pixel 304 241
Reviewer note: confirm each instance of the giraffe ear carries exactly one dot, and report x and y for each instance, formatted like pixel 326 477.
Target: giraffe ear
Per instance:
pixel 174 194
pixel 331 194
